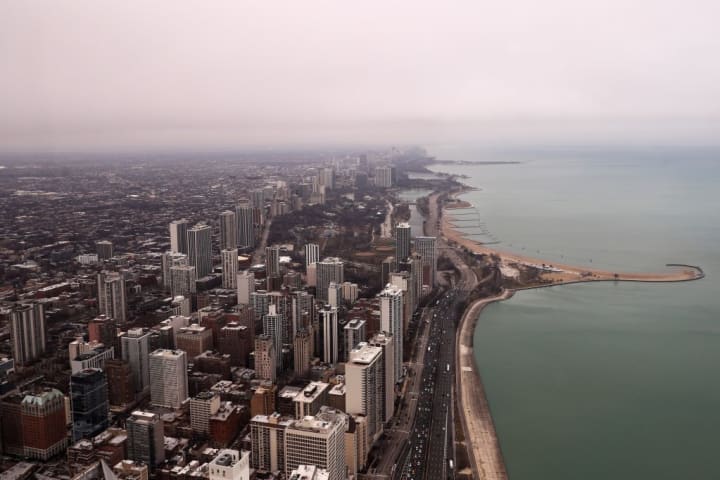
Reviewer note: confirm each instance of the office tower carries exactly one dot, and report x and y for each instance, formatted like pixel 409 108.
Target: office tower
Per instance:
pixel 383 177
pixel 245 287
pixel 391 318
pixel 27 327
pixel 194 340
pixel 89 402
pixel 245 225
pixel 303 310
pixel 230 465
pixel 203 406
pixel 102 329
pixel 121 390
pixel 329 325
pixel 183 280
pixel 34 423
pixel 386 342
pixel 146 438
pixel 354 334
pixel 425 246
pixel 312 253
pixel 335 294
pixel 272 260
pixel 169 260
pixel 178 236
pixel 229 268
pixel 302 352
pixel 364 386
pixel 111 295
pixel 265 358
pixel 267 438
pixel 136 350
pixel 104 249
pixel 317 441
pixel 235 340
pixel 199 242
pixel 308 402
pixel 168 378
pixel 349 292
pixel 329 270
pixel 402 241
pixel 228 230
pixel 272 325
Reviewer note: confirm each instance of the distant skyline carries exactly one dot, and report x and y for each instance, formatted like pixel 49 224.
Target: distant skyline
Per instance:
pixel 89 75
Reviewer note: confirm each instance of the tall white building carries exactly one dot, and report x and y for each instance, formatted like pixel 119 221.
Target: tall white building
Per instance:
pixel 354 334
pixel 168 378
pixel 245 287
pixel 29 336
pixel 329 270
pixel 203 406
pixel 169 260
pixel 329 327
pixel 230 465
pixel 112 301
pixel 312 253
pixel 425 246
pixel 178 236
pixel 386 341
pixel 335 297
pixel 267 438
pixel 383 176
pixel 391 320
pixel 199 240
pixel 245 225
pixel 319 441
pixel 402 241
pixel 265 358
pixel 349 292
pixel 228 230
pixel 182 280
pixel 135 348
pixel 365 390
pixel 229 259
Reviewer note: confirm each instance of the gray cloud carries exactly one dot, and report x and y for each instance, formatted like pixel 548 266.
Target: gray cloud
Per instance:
pixel 86 74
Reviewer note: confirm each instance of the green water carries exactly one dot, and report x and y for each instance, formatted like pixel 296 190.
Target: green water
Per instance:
pixel 604 381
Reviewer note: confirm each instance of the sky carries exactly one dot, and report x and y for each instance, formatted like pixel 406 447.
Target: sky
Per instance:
pixel 80 75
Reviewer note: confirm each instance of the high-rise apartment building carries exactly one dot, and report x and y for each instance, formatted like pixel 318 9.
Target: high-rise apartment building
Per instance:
pixel 391 320
pixel 402 241
pixel 245 225
pixel 364 386
pixel 272 260
pixel 229 268
pixel 302 352
pixel 203 406
pixel 146 438
pixel 136 351
pixel 183 281
pixel 354 331
pixel 335 298
pixel 104 249
pixel 386 342
pixel 178 236
pixel 228 230
pixel 317 441
pixel 29 336
pixel 272 326
pixel 265 358
pixel 89 403
pixel 329 327
pixel 245 287
pixel 169 260
pixel 112 301
pixel 168 378
pixel 121 390
pixel 384 176
pixel 329 270
pixel 199 241
pixel 312 253
pixel 267 437
pixel 102 329
pixel 425 246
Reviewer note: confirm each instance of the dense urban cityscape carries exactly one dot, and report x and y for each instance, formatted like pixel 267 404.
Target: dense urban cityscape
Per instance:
pixel 285 316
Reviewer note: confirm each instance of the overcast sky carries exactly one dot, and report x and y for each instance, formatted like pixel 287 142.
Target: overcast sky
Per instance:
pixel 93 74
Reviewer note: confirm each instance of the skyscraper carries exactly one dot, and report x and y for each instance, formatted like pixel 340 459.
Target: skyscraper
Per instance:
pixel 183 280
pixel 267 438
pixel 178 236
pixel 303 310
pixel 228 230
pixel 245 225
pixel 354 334
pixel 146 438
pixel 312 253
pixel 168 378
pixel 245 287
pixel 229 267
pixel 386 342
pixel 265 358
pixel 112 301
pixel 318 441
pixel 335 298
pixel 425 246
pixel 383 176
pixel 402 241
pixel 329 270
pixel 135 351
pixel 302 352
pixel 272 325
pixel 329 326
pixel 391 315
pixel 365 387
pixel 27 325
pixel 89 402
pixel 104 249
pixel 169 260
pixel 272 260
pixel 199 242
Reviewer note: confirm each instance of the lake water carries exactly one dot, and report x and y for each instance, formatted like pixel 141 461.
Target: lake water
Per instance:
pixel 603 381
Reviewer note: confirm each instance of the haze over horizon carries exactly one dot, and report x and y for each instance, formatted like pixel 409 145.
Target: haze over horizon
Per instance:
pixel 114 76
